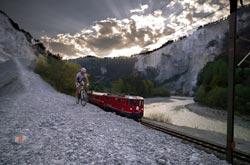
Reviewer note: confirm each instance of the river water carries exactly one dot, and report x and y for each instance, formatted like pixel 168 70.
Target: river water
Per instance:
pixel 173 110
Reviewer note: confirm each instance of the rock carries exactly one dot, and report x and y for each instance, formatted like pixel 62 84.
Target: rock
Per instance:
pixel 19 139
pixel 161 161
pixel 194 157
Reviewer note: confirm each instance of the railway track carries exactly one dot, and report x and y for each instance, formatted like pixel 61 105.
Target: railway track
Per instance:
pixel 238 155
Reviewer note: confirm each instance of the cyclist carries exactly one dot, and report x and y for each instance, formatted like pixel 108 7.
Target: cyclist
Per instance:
pixel 81 76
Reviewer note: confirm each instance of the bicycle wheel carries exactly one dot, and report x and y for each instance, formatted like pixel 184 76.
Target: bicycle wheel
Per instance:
pixel 83 98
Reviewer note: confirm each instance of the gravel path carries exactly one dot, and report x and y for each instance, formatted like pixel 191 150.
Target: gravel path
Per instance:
pixel 58 131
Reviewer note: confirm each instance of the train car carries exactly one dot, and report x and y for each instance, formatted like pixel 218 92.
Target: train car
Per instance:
pixel 97 98
pixel 130 106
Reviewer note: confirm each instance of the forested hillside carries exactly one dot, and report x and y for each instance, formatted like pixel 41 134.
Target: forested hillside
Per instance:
pixel 212 80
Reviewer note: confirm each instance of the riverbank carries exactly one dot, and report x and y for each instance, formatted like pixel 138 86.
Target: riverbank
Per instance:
pixel 183 114
pixel 217 114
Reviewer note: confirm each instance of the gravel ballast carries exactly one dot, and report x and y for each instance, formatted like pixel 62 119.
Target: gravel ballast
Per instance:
pixel 55 130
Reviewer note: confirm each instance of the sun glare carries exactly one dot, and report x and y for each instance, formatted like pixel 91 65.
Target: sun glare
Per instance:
pixel 125 51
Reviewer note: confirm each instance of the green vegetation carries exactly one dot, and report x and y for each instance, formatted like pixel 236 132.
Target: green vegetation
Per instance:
pixel 117 75
pixel 136 85
pixel 212 87
pixel 59 74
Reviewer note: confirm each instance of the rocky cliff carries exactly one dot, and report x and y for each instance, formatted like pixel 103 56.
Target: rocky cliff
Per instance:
pixel 177 65
pixel 16 42
pixel 15 45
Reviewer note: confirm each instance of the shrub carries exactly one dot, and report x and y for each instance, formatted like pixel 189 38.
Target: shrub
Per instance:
pixel 200 94
pixel 161 92
pixel 59 74
pixel 242 99
pixel 136 85
pixel 217 97
pixel 212 87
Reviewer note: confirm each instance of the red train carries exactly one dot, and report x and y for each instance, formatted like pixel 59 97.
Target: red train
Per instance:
pixel 130 106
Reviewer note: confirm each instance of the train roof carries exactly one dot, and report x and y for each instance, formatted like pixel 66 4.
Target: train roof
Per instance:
pixel 98 93
pixel 121 96
pixel 133 97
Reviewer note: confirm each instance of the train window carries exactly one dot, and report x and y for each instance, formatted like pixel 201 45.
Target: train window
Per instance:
pixel 140 102
pixel 119 101
pixel 131 102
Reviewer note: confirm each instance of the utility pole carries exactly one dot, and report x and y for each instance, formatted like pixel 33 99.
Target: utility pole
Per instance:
pixel 231 79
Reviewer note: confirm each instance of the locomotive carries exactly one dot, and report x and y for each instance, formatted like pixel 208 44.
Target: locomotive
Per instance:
pixel 129 106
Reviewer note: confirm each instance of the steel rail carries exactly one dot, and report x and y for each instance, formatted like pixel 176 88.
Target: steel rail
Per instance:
pixel 201 142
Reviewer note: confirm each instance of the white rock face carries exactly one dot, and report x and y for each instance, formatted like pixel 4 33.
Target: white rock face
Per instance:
pixel 185 58
pixel 13 43
pixel 178 64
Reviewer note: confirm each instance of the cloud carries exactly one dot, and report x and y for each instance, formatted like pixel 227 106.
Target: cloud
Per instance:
pixel 124 37
pixel 63 48
pixel 110 35
pixel 139 10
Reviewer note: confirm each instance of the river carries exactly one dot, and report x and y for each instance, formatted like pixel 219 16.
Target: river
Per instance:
pixel 174 110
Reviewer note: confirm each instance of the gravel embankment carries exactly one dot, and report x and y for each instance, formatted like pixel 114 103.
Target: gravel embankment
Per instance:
pixel 57 131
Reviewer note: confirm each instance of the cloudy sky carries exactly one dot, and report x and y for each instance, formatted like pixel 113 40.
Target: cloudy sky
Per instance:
pixel 110 28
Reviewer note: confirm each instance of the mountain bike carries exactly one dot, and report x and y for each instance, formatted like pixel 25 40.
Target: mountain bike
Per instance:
pixel 82 95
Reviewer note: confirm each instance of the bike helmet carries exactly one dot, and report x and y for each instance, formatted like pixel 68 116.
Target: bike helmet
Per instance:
pixel 83 70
